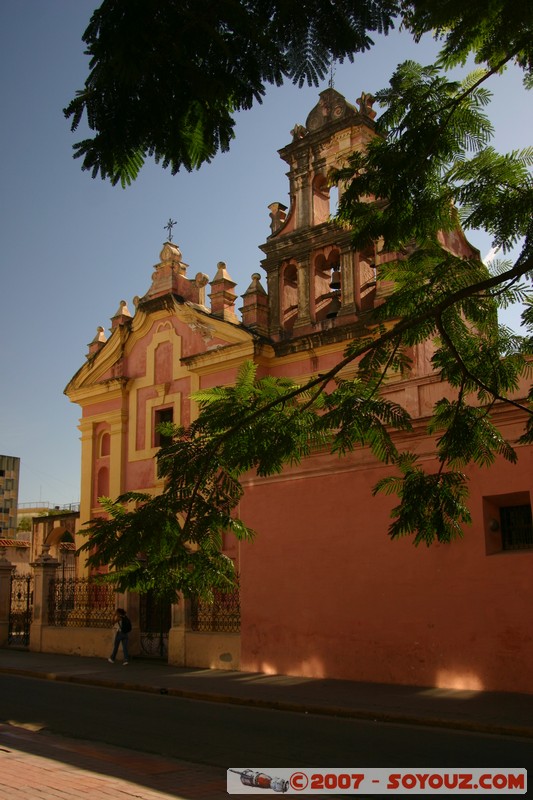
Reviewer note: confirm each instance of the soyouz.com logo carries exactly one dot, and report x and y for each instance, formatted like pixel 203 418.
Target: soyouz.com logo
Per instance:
pixel 247 780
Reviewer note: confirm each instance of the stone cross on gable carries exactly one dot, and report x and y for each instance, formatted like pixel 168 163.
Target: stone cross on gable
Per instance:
pixel 168 227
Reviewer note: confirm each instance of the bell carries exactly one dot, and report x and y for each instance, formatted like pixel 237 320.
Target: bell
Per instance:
pixel 334 307
pixel 335 280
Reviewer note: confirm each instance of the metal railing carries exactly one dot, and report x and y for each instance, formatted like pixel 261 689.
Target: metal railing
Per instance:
pixel 45 504
pixel 80 603
pixel 20 609
pixel 222 615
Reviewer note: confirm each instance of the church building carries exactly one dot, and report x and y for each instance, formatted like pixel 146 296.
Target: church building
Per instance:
pixel 323 590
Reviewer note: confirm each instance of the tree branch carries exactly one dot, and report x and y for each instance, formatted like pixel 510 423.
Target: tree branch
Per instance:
pixel 469 374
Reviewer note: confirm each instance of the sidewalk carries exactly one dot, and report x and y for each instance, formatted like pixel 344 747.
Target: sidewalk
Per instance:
pixel 487 712
pixel 39 764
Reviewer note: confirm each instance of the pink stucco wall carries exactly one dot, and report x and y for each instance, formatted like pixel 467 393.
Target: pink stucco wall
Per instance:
pixel 325 592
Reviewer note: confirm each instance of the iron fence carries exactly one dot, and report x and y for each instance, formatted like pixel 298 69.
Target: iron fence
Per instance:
pixel 80 603
pixel 222 615
pixel 155 621
pixel 20 610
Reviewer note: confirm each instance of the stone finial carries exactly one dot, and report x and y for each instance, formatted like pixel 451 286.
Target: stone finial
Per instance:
pixel 223 295
pixel 278 215
pixel 365 103
pixel 170 252
pixel 298 132
pixel 122 310
pixel 222 273
pixel 121 316
pixel 100 335
pixel 98 341
pixel 45 558
pixel 255 311
pixel 255 285
pixel 201 280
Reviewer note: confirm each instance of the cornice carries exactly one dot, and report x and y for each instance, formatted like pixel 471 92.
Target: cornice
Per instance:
pixel 221 357
pixel 110 389
pixel 321 339
pixel 101 362
pixel 304 240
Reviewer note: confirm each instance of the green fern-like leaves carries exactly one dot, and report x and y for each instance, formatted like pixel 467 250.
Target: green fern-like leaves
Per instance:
pixel 433 506
pixel 165 80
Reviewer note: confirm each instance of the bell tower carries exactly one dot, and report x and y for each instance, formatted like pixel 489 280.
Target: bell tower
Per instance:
pixel 316 280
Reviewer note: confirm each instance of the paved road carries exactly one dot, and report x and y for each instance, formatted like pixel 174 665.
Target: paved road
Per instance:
pixel 222 735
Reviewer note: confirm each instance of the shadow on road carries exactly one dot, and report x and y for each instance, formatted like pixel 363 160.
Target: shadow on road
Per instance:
pixel 42 760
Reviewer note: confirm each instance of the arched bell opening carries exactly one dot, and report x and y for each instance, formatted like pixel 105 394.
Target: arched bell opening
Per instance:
pixel 327 285
pixel 289 296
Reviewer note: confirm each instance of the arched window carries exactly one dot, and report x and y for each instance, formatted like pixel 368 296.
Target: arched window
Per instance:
pixel 105 444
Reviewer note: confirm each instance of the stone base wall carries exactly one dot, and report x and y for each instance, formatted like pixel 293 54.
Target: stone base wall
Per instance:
pixel 90 642
pixel 185 648
pixel 209 650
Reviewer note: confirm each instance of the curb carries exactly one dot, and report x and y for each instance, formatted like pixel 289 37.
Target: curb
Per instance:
pixel 372 715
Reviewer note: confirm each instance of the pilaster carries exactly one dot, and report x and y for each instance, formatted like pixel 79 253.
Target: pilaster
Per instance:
pixel 87 469
pixel 44 570
pixel 304 292
pixel 348 283
pixel 273 278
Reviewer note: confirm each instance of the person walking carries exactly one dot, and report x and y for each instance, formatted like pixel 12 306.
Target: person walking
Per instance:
pixel 123 628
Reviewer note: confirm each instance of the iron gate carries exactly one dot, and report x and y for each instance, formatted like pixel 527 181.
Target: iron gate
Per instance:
pixel 20 610
pixel 155 622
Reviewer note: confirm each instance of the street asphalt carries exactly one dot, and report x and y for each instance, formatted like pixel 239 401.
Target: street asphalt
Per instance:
pixel 503 713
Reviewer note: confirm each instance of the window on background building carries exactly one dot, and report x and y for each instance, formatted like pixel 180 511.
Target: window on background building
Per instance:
pixel 508 523
pixel 517 528
pixel 160 416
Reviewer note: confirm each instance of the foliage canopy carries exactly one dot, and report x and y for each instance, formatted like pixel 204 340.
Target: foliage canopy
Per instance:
pixel 167 77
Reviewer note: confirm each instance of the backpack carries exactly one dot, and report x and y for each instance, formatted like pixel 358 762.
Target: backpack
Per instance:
pixel 125 625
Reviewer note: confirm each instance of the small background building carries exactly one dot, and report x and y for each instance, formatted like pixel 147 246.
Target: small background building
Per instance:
pixel 18 552
pixel 9 492
pixel 56 531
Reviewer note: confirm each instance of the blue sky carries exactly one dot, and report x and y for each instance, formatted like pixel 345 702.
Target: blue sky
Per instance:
pixel 73 247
